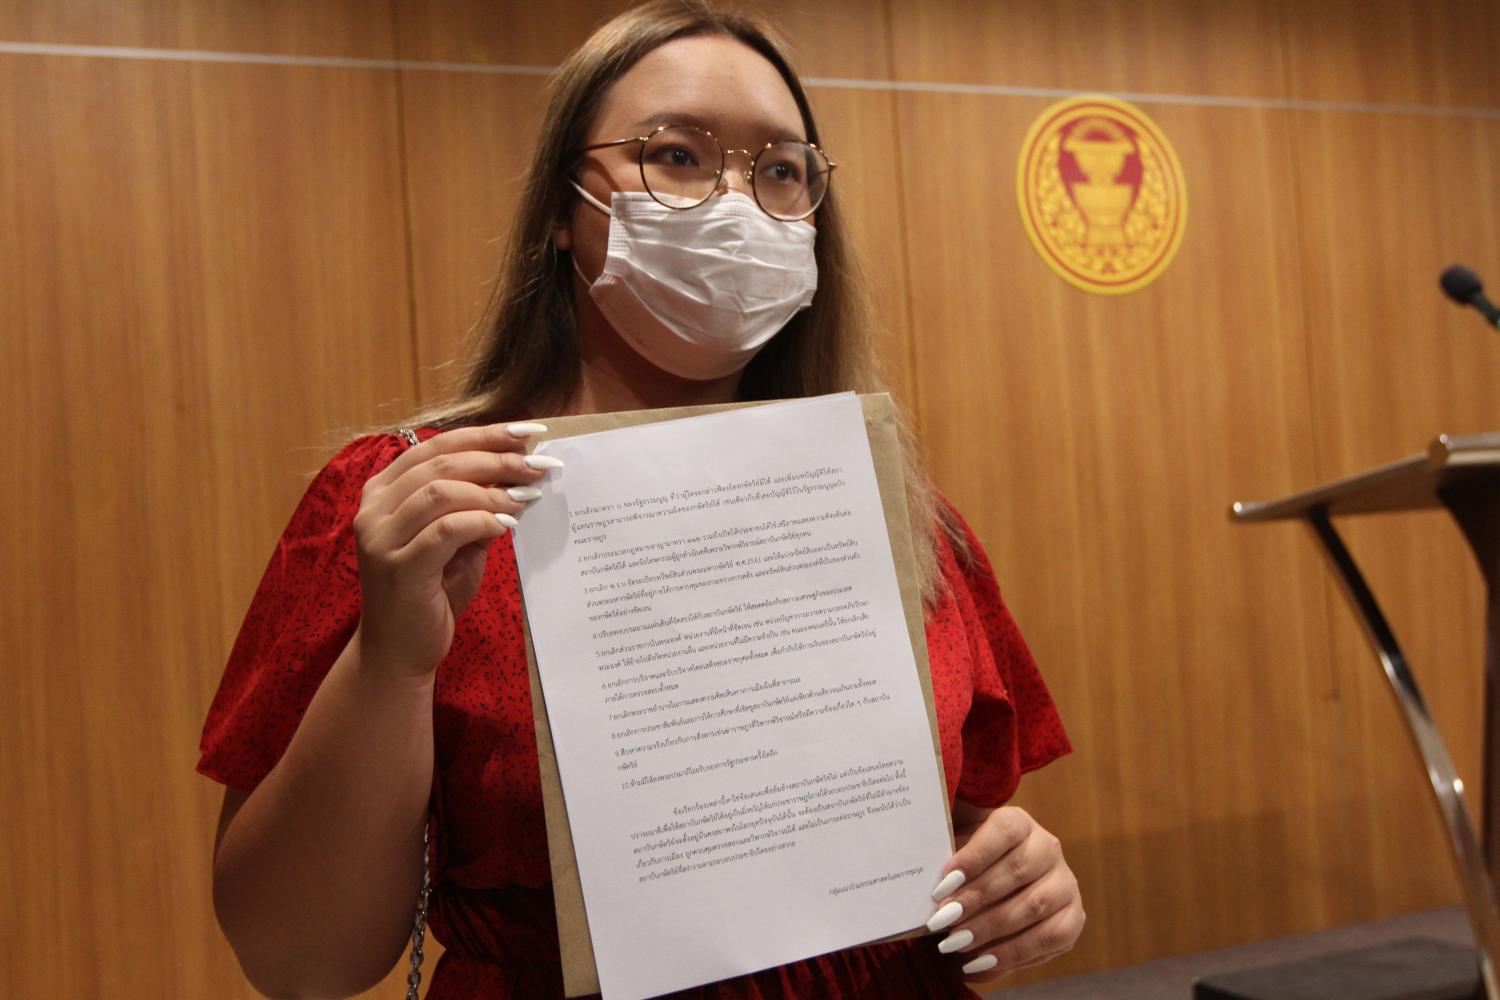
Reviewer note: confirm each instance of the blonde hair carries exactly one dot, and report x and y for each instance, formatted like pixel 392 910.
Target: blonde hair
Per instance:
pixel 527 357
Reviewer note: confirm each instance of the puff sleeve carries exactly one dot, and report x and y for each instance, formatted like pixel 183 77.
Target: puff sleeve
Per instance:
pixel 301 617
pixel 1011 726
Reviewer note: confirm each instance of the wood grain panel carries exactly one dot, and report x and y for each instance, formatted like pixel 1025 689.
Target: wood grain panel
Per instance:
pixel 859 130
pixel 346 28
pixel 1393 363
pixel 203 268
pixel 1160 46
pixel 1425 579
pixel 835 38
pixel 1094 442
pixel 1388 202
pixel 507 32
pixel 201 272
pixel 468 141
pixel 843 38
pixel 1394 52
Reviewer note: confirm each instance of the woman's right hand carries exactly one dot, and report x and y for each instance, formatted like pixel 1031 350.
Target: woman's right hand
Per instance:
pixel 423 532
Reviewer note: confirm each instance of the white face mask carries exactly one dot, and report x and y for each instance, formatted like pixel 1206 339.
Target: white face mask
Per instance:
pixel 698 291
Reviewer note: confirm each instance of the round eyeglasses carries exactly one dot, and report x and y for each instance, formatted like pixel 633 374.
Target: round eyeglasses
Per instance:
pixel 682 165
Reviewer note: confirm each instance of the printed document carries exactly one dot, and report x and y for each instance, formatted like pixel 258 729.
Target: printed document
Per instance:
pixel 744 748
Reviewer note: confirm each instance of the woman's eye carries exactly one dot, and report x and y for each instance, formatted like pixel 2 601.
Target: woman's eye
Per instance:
pixel 677 157
pixel 783 173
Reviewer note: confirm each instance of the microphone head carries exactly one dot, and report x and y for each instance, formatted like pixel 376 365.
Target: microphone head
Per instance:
pixel 1460 284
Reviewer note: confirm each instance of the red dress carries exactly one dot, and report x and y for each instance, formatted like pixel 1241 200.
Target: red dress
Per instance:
pixel 492 901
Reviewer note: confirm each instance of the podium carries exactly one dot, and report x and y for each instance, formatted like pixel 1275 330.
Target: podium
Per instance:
pixel 1461 474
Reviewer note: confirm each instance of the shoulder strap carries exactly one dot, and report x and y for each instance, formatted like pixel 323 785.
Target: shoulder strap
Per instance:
pixel 419 919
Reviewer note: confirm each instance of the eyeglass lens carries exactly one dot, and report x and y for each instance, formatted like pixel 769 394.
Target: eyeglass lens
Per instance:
pixel 681 166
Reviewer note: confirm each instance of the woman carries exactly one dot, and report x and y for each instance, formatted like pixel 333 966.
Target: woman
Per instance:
pixel 379 678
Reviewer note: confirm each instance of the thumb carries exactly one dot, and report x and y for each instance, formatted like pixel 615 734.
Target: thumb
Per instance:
pixel 464 573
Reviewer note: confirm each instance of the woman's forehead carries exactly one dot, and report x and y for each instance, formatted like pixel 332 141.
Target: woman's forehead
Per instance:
pixel 714 82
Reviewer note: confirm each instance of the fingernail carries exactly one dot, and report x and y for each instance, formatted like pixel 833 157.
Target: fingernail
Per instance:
pixel 543 462
pixel 984 963
pixel 526 429
pixel 947 916
pixel 950 881
pixel 507 520
pixel 956 940
pixel 523 494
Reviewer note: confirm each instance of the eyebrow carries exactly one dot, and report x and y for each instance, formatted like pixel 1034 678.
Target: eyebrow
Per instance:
pixel 773 132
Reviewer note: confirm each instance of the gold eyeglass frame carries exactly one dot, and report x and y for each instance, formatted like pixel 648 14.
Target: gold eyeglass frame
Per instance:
pixel 723 164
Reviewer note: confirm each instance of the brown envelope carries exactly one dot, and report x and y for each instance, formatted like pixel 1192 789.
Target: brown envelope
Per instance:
pixel 580 977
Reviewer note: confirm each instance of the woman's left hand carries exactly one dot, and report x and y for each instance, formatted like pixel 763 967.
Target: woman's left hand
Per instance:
pixel 1017 904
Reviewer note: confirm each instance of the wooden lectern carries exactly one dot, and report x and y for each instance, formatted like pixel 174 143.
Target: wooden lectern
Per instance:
pixel 1463 475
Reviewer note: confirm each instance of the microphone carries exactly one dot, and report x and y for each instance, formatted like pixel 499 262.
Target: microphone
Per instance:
pixel 1462 286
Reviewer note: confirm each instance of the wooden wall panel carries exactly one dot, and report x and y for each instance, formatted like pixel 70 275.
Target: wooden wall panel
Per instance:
pixel 467 145
pixel 1094 443
pixel 835 38
pixel 1387 202
pixel 1393 51
pixel 201 270
pixel 506 32
pixel 205 267
pixel 859 131
pixel 1161 46
pixel 346 28
pixel 838 38
pixel 1392 364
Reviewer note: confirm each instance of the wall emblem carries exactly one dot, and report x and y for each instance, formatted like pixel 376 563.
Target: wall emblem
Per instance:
pixel 1101 194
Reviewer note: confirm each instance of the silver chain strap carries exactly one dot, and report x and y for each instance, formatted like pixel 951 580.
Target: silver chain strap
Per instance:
pixel 419 919
pixel 419 922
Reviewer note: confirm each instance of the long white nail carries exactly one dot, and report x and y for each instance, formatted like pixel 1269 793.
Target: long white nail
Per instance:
pixel 984 963
pixel 524 494
pixel 946 916
pixel 956 940
pixel 507 520
pixel 526 429
pixel 543 462
pixel 950 881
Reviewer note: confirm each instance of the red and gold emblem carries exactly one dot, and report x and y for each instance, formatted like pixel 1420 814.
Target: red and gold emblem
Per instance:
pixel 1101 194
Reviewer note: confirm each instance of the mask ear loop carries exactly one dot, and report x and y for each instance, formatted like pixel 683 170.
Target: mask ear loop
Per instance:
pixel 579 271
pixel 591 199
pixel 573 257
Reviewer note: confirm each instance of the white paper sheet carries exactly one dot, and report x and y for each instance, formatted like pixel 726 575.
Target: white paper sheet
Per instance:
pixel 739 725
